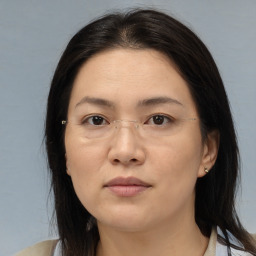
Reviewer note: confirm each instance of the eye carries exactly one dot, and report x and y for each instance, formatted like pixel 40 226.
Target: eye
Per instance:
pixel 159 120
pixel 95 120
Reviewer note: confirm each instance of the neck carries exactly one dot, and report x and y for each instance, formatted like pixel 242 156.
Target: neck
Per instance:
pixel 175 240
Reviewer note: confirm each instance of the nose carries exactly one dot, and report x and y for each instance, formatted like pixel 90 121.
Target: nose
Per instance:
pixel 126 148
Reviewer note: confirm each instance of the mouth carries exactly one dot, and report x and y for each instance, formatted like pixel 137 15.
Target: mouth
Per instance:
pixel 127 187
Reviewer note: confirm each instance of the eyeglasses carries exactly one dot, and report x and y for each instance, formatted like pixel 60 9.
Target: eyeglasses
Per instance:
pixel 157 126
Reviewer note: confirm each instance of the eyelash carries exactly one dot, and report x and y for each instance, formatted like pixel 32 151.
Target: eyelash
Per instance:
pixel 167 118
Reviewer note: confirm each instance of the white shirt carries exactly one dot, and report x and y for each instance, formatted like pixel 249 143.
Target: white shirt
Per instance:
pixel 221 250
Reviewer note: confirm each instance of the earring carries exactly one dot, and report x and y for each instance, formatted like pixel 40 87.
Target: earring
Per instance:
pixel 206 170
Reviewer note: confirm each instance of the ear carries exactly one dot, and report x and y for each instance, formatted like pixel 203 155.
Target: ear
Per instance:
pixel 210 153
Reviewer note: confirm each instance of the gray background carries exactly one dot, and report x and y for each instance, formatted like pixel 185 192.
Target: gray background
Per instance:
pixel 32 36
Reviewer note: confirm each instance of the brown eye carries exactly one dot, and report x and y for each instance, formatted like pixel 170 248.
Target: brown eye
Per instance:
pixel 159 120
pixel 95 120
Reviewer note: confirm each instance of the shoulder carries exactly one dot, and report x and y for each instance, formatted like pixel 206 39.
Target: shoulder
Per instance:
pixel 254 237
pixel 45 248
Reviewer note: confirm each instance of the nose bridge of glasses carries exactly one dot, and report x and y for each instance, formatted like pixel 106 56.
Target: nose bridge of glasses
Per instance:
pixel 125 123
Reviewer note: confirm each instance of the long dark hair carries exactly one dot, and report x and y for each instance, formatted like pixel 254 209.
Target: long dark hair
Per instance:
pixel 146 29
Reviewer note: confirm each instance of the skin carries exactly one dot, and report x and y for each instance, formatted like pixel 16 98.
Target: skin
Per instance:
pixel 159 220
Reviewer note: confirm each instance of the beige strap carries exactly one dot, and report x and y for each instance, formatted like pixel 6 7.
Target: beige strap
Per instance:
pixel 45 248
pixel 211 249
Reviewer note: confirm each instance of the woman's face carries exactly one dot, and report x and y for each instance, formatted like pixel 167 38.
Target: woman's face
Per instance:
pixel 129 178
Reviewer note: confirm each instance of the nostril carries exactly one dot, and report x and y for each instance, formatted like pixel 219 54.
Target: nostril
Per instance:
pixel 133 160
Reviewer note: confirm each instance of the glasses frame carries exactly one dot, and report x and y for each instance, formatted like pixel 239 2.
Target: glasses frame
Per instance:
pixel 115 124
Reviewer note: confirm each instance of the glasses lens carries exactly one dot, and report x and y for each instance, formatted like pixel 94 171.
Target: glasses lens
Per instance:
pixel 160 129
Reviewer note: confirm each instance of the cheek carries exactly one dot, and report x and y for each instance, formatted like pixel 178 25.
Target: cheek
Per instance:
pixel 83 157
pixel 84 165
pixel 177 164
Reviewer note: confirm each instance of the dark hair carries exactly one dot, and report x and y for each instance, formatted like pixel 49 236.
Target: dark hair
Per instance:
pixel 146 29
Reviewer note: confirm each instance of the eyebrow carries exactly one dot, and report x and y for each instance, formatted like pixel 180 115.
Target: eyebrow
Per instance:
pixel 95 101
pixel 142 103
pixel 158 101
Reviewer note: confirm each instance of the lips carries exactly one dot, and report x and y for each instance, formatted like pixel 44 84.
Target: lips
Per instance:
pixel 127 187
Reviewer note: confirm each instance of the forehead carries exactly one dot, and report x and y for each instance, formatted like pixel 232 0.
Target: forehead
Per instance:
pixel 127 75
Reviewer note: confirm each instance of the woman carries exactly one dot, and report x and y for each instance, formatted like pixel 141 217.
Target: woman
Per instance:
pixel 141 144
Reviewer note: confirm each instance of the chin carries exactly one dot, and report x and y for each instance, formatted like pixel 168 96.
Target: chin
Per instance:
pixel 124 222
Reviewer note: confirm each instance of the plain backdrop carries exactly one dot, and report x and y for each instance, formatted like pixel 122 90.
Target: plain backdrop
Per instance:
pixel 33 35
